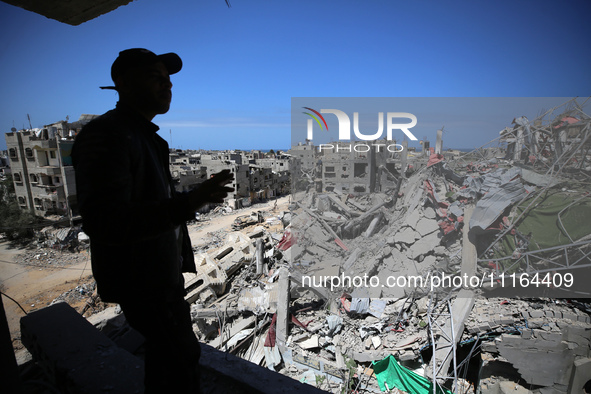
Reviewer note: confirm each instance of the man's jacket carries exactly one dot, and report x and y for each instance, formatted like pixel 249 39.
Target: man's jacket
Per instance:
pixel 135 220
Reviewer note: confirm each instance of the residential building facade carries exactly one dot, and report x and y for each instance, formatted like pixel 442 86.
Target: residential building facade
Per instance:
pixel 41 166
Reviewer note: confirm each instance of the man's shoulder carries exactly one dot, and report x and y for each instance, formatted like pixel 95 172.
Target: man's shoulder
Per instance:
pixel 111 121
pixel 109 132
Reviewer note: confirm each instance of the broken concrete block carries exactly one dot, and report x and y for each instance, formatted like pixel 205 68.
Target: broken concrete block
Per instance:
pixel 536 323
pixel 407 235
pixel 422 305
pixel 581 374
pixel 583 319
pixel 408 355
pixel 407 342
pixel 489 347
pixel 413 218
pixel 311 342
pixel 424 245
pixel 376 342
pixel 554 338
pixel 569 316
pixel 429 213
pixel 440 250
pixel 426 226
pixel 538 362
pixel 536 313
pixel 577 334
pixel 367 356
pixel 526 334
pixel 428 261
pixel 107 320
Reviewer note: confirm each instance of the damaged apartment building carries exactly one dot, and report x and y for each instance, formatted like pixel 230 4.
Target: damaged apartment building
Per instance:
pixel 256 176
pixel 351 168
pixel 42 169
pixel 43 175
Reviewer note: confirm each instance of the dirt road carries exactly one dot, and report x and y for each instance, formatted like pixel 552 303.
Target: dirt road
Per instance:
pixel 33 287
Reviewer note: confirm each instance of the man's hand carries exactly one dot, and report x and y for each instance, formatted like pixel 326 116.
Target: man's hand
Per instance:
pixel 213 190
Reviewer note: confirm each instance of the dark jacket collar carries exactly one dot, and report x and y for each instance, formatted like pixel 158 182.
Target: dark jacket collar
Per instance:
pixel 130 112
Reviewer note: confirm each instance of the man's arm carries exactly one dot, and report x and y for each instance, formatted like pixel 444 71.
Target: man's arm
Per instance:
pixel 104 177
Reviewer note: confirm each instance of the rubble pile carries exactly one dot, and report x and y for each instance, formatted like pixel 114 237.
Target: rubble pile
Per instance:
pixel 45 257
pixel 517 224
pixel 461 275
pixel 79 293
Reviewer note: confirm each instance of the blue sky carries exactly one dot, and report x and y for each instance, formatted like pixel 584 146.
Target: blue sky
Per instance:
pixel 242 65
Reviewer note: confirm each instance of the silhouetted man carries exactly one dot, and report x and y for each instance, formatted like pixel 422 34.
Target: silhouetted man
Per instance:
pixel 136 220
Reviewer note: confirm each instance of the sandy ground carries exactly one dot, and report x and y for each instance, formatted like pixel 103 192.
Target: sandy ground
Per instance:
pixel 198 232
pixel 36 287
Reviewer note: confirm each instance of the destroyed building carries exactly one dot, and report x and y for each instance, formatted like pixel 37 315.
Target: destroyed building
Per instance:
pixel 491 215
pixel 255 178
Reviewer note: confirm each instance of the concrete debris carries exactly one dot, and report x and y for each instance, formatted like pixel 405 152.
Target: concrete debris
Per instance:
pixel 455 217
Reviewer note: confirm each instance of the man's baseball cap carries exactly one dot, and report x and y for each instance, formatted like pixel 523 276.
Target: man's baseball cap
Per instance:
pixel 138 57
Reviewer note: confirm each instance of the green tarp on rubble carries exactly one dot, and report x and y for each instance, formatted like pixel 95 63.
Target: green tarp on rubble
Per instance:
pixel 389 372
pixel 545 227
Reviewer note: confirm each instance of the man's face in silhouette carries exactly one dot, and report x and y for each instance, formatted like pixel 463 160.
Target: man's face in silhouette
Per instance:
pixel 148 89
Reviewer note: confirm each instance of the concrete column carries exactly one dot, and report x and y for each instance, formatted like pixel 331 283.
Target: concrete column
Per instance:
pixel 372 170
pixel 404 157
pixel 283 309
pixel 518 144
pixel 259 246
pixel 439 143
